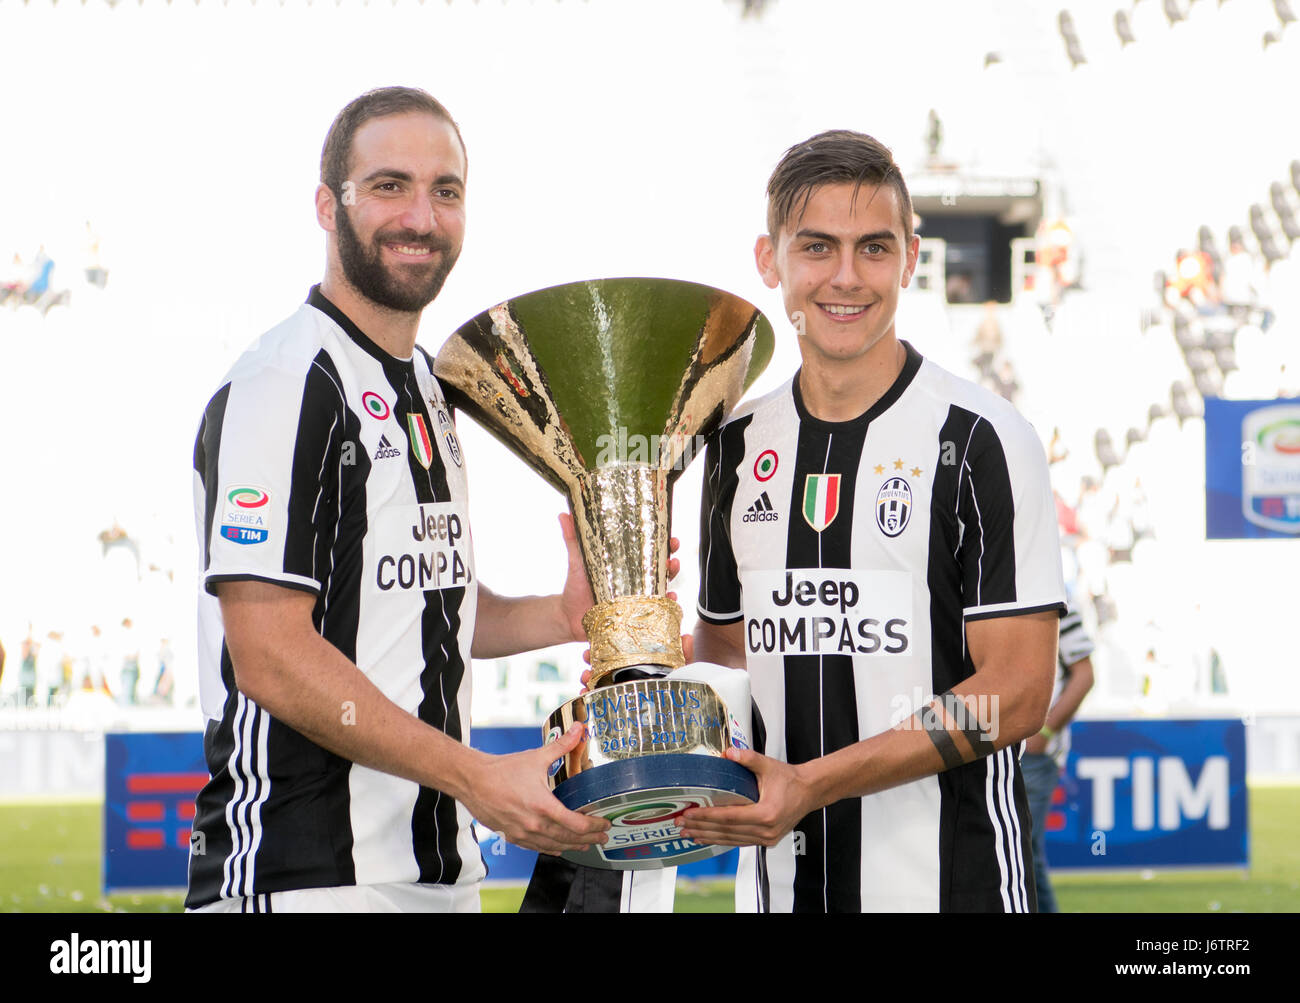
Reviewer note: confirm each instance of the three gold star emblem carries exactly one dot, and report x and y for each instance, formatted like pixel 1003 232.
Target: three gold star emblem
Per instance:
pixel 879 468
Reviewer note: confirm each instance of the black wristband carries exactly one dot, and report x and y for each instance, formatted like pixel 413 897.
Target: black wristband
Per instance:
pixel 939 736
pixel 967 723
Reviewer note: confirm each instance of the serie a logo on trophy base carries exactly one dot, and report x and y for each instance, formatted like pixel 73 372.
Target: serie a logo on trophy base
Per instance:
pixel 604 387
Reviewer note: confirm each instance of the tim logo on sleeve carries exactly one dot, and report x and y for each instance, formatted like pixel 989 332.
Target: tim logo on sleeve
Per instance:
pixel 245 515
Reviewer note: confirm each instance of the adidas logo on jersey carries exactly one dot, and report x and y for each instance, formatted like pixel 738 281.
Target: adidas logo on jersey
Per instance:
pixel 386 449
pixel 761 511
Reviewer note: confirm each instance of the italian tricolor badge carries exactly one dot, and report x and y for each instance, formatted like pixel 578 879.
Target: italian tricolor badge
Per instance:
pixel 421 445
pixel 821 500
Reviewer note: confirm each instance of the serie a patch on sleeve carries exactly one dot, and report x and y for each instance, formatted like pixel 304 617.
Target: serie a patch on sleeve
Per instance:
pixel 245 514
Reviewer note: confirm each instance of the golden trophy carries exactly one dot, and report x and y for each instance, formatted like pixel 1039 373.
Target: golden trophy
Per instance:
pixel 608 388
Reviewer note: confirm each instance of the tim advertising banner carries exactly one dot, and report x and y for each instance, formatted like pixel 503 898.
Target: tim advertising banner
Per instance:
pixel 1252 469
pixel 1151 794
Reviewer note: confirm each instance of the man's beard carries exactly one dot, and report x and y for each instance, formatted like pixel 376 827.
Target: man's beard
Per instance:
pixel 365 269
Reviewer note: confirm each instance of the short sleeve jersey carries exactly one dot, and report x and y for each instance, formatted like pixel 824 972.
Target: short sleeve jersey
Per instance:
pixel 325 465
pixel 854 553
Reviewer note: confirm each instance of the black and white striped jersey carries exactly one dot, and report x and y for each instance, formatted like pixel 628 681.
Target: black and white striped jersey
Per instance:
pixel 326 465
pixel 854 552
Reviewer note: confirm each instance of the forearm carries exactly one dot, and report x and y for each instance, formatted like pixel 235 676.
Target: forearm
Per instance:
pixel 915 748
pixel 283 665
pixel 508 625
pixel 305 682
pixel 1077 685
pixel 883 761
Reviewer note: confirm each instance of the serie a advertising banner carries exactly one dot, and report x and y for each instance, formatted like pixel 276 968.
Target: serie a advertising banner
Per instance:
pixel 1252 469
pixel 1151 794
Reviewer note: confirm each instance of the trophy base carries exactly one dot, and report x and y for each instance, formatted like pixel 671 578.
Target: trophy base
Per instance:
pixel 643 797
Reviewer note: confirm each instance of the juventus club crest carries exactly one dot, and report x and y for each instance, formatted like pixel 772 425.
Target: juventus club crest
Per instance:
pixel 893 506
pixel 449 435
pixel 821 500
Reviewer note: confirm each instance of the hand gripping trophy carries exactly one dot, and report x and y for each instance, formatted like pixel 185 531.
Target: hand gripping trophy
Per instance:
pixel 604 387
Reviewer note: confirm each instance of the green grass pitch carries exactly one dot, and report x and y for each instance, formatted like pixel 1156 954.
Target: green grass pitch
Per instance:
pixel 50 857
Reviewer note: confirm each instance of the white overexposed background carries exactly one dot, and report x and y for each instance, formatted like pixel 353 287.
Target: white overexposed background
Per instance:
pixel 606 137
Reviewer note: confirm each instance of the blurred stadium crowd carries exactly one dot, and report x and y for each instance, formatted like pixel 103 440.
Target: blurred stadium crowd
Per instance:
pixel 115 664
pixel 31 281
pixel 1216 329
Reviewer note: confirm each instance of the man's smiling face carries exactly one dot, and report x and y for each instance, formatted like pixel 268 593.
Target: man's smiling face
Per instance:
pixel 841 264
pixel 403 221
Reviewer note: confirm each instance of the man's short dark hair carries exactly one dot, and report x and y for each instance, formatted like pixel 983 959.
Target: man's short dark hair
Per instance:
pixel 838 156
pixel 378 103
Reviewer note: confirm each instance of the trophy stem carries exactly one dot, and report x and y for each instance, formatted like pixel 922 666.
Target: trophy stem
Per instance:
pixel 622 518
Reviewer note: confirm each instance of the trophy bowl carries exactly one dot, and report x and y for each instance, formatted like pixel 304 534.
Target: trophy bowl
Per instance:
pixel 608 388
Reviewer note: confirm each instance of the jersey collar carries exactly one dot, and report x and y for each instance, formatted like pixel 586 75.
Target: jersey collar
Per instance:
pixel 317 299
pixel 911 365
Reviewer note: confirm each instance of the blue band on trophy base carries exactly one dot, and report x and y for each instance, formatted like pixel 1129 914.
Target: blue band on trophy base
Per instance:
pixel 648 773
